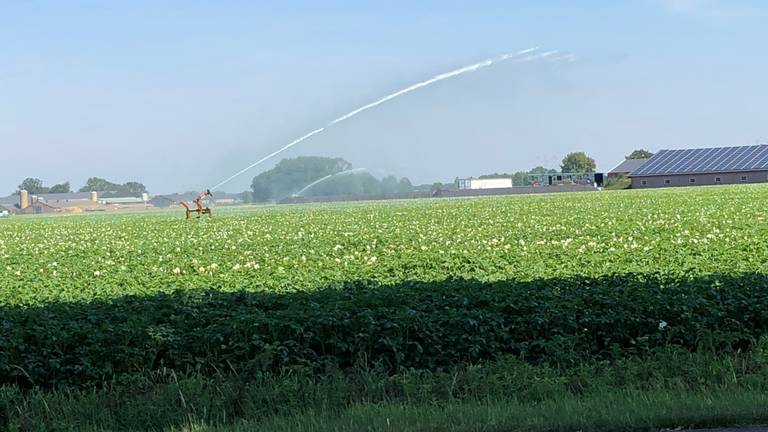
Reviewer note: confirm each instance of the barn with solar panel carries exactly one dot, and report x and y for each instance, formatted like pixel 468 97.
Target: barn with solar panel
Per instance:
pixel 706 166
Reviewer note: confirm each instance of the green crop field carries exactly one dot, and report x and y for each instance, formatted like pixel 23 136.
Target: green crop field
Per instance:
pixel 671 232
pixel 89 302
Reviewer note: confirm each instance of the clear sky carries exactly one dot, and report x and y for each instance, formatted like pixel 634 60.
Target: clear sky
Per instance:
pixel 181 94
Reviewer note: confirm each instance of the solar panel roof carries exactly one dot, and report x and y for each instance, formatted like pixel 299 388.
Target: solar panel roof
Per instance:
pixel 717 159
pixel 629 166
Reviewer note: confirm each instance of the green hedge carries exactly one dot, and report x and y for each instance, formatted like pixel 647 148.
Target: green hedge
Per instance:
pixel 421 325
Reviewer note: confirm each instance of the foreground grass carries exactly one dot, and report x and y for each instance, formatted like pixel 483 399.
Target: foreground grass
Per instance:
pixel 618 411
pixel 666 390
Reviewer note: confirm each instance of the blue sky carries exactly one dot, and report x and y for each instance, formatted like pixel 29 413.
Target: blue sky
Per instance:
pixel 180 95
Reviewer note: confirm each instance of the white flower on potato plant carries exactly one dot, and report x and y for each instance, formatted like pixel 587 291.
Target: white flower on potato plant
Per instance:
pixel 97 273
pixel 177 271
pixel 662 325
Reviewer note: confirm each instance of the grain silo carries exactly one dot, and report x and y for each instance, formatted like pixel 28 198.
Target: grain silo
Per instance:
pixel 23 199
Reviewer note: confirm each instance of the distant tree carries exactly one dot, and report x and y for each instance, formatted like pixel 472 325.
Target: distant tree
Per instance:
pixel 616 183
pixel 520 178
pixel 134 188
pixel 496 175
pixel 370 184
pixel 640 154
pixel 96 184
pixel 437 187
pixel 33 185
pixel 541 170
pixel 109 189
pixel 291 175
pixel 578 162
pixel 404 185
pixel 348 184
pixel 247 197
pixel 61 188
pixel 260 188
pixel 389 185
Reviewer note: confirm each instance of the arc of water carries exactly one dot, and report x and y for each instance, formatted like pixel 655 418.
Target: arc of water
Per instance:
pixel 467 69
pixel 320 180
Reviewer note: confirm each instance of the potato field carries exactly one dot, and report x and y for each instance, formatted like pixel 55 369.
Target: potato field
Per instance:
pixel 413 284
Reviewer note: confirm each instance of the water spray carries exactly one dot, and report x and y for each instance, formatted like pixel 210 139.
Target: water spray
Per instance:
pixel 329 176
pixel 525 55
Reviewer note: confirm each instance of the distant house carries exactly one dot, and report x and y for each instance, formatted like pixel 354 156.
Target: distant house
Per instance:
pixel 170 199
pixel 625 168
pixel 123 200
pixel 10 202
pixel 227 198
pixel 564 179
pixel 704 166
pixel 175 198
pixel 226 201
pixel 4 212
pixel 38 208
pixel 485 183
pixel 49 203
pixel 62 198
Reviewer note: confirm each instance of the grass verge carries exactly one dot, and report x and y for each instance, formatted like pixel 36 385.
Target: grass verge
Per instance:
pixel 665 390
pixel 616 411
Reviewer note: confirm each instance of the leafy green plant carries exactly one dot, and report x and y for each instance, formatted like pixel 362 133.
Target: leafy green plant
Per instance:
pixel 424 285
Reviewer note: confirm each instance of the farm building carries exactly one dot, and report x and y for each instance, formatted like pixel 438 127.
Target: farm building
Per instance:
pixel 486 183
pixel 625 168
pixel 71 198
pixel 562 179
pixel 9 202
pixel 704 166
pixel 143 199
pixel 169 200
pixel 73 202
pixel 173 199
pixel 55 199
pixel 38 208
pixel 26 203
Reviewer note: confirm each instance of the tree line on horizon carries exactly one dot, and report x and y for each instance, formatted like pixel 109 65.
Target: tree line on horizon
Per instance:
pixel 35 186
pixel 292 175
pixel 575 162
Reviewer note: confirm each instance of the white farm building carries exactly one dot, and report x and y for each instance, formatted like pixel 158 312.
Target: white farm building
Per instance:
pixel 483 183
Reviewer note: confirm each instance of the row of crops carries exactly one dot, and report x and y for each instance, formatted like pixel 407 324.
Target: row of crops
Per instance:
pixel 424 284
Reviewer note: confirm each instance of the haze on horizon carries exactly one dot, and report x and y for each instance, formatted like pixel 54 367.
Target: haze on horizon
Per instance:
pixel 179 95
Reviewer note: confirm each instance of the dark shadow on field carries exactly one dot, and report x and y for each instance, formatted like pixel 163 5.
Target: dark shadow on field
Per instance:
pixel 421 325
